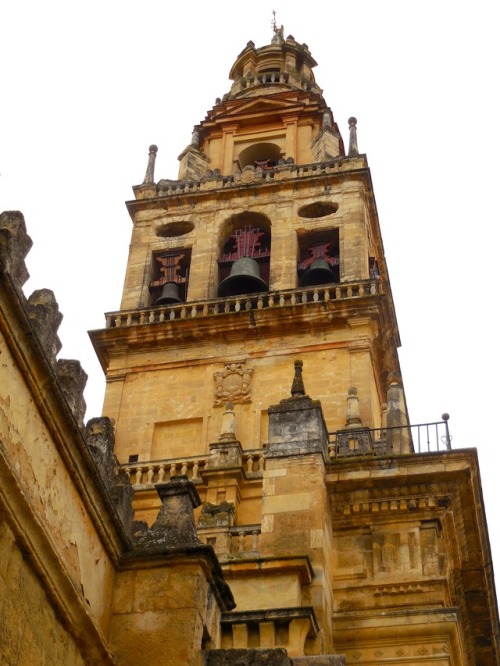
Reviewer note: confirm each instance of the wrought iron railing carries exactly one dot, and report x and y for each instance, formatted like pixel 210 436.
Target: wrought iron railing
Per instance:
pixel 395 440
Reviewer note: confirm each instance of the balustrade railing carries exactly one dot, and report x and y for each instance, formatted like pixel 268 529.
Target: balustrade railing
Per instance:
pixel 281 171
pixel 244 540
pixel 419 438
pixel 253 462
pixel 238 541
pixel 149 473
pixel 262 301
pixel 160 471
pixel 347 443
pixel 264 77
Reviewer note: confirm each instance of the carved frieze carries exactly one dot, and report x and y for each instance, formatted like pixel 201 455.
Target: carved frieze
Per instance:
pixel 233 384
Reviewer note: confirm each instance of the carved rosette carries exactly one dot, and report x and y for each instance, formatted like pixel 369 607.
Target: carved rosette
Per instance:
pixel 233 384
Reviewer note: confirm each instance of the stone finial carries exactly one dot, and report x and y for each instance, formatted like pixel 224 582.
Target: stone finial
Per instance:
pixel 298 383
pixel 383 416
pixel 43 312
pixel 149 178
pixel 395 404
pixel 228 428
pixel 174 526
pixel 353 137
pixel 327 121
pixel 72 380
pixel 398 434
pixel 195 138
pixel 14 246
pixel 353 418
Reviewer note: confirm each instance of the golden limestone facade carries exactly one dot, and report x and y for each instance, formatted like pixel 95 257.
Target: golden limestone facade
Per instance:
pixel 255 493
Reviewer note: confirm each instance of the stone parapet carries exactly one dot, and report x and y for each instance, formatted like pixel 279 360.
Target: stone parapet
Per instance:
pixel 283 298
pixel 250 175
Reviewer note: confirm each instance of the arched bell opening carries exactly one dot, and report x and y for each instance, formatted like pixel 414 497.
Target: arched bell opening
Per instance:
pixel 319 260
pixel 170 277
pixel 244 258
pixel 263 155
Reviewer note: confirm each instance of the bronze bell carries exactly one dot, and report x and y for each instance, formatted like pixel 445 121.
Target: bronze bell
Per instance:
pixel 243 279
pixel 169 294
pixel 319 272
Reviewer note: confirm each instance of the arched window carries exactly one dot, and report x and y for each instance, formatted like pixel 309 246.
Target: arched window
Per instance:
pixel 263 155
pixel 319 261
pixel 245 255
pixel 170 276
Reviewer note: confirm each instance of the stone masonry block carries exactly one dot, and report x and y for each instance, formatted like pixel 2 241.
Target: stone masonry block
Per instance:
pixel 72 380
pixel 45 317
pixel 14 246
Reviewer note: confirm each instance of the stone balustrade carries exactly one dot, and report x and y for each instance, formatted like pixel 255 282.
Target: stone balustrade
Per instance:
pixel 281 627
pixel 253 462
pixel 236 542
pixel 264 77
pixel 244 540
pixel 262 301
pixel 418 438
pixel 250 174
pixel 146 474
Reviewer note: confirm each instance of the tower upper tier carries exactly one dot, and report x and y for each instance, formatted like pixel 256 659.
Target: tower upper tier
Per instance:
pixel 274 113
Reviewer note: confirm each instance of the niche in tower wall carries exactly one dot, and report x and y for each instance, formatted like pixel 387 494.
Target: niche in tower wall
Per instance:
pixel 260 155
pixel 170 271
pixel 319 260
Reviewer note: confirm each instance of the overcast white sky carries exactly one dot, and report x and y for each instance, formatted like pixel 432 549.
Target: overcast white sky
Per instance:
pixel 88 86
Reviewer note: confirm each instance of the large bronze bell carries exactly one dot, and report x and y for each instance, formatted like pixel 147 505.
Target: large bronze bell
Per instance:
pixel 169 294
pixel 243 279
pixel 319 272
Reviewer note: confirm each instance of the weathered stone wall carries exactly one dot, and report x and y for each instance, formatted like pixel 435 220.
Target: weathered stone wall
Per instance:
pixel 75 572
pixel 31 632
pixel 49 497
pixel 159 615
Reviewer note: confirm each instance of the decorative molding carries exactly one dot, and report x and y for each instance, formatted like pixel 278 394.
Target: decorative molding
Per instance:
pixel 233 384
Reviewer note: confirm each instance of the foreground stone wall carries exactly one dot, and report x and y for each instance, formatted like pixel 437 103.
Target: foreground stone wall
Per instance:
pixel 78 583
pixel 30 630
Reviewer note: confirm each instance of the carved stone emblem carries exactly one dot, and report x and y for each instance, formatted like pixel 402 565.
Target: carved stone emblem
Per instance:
pixel 250 174
pixel 233 384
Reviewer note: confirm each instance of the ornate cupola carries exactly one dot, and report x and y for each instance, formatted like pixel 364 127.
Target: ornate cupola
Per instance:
pixel 274 114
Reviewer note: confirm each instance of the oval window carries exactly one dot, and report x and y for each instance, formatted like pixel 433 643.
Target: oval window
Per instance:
pixel 173 229
pixel 318 209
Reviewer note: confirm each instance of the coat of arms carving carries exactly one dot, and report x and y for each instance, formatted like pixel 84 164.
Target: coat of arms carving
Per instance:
pixel 233 384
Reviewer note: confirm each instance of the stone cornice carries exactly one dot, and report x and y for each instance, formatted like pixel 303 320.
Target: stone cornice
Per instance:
pixel 174 193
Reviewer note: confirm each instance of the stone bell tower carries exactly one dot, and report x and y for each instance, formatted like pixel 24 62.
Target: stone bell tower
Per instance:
pixel 255 352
